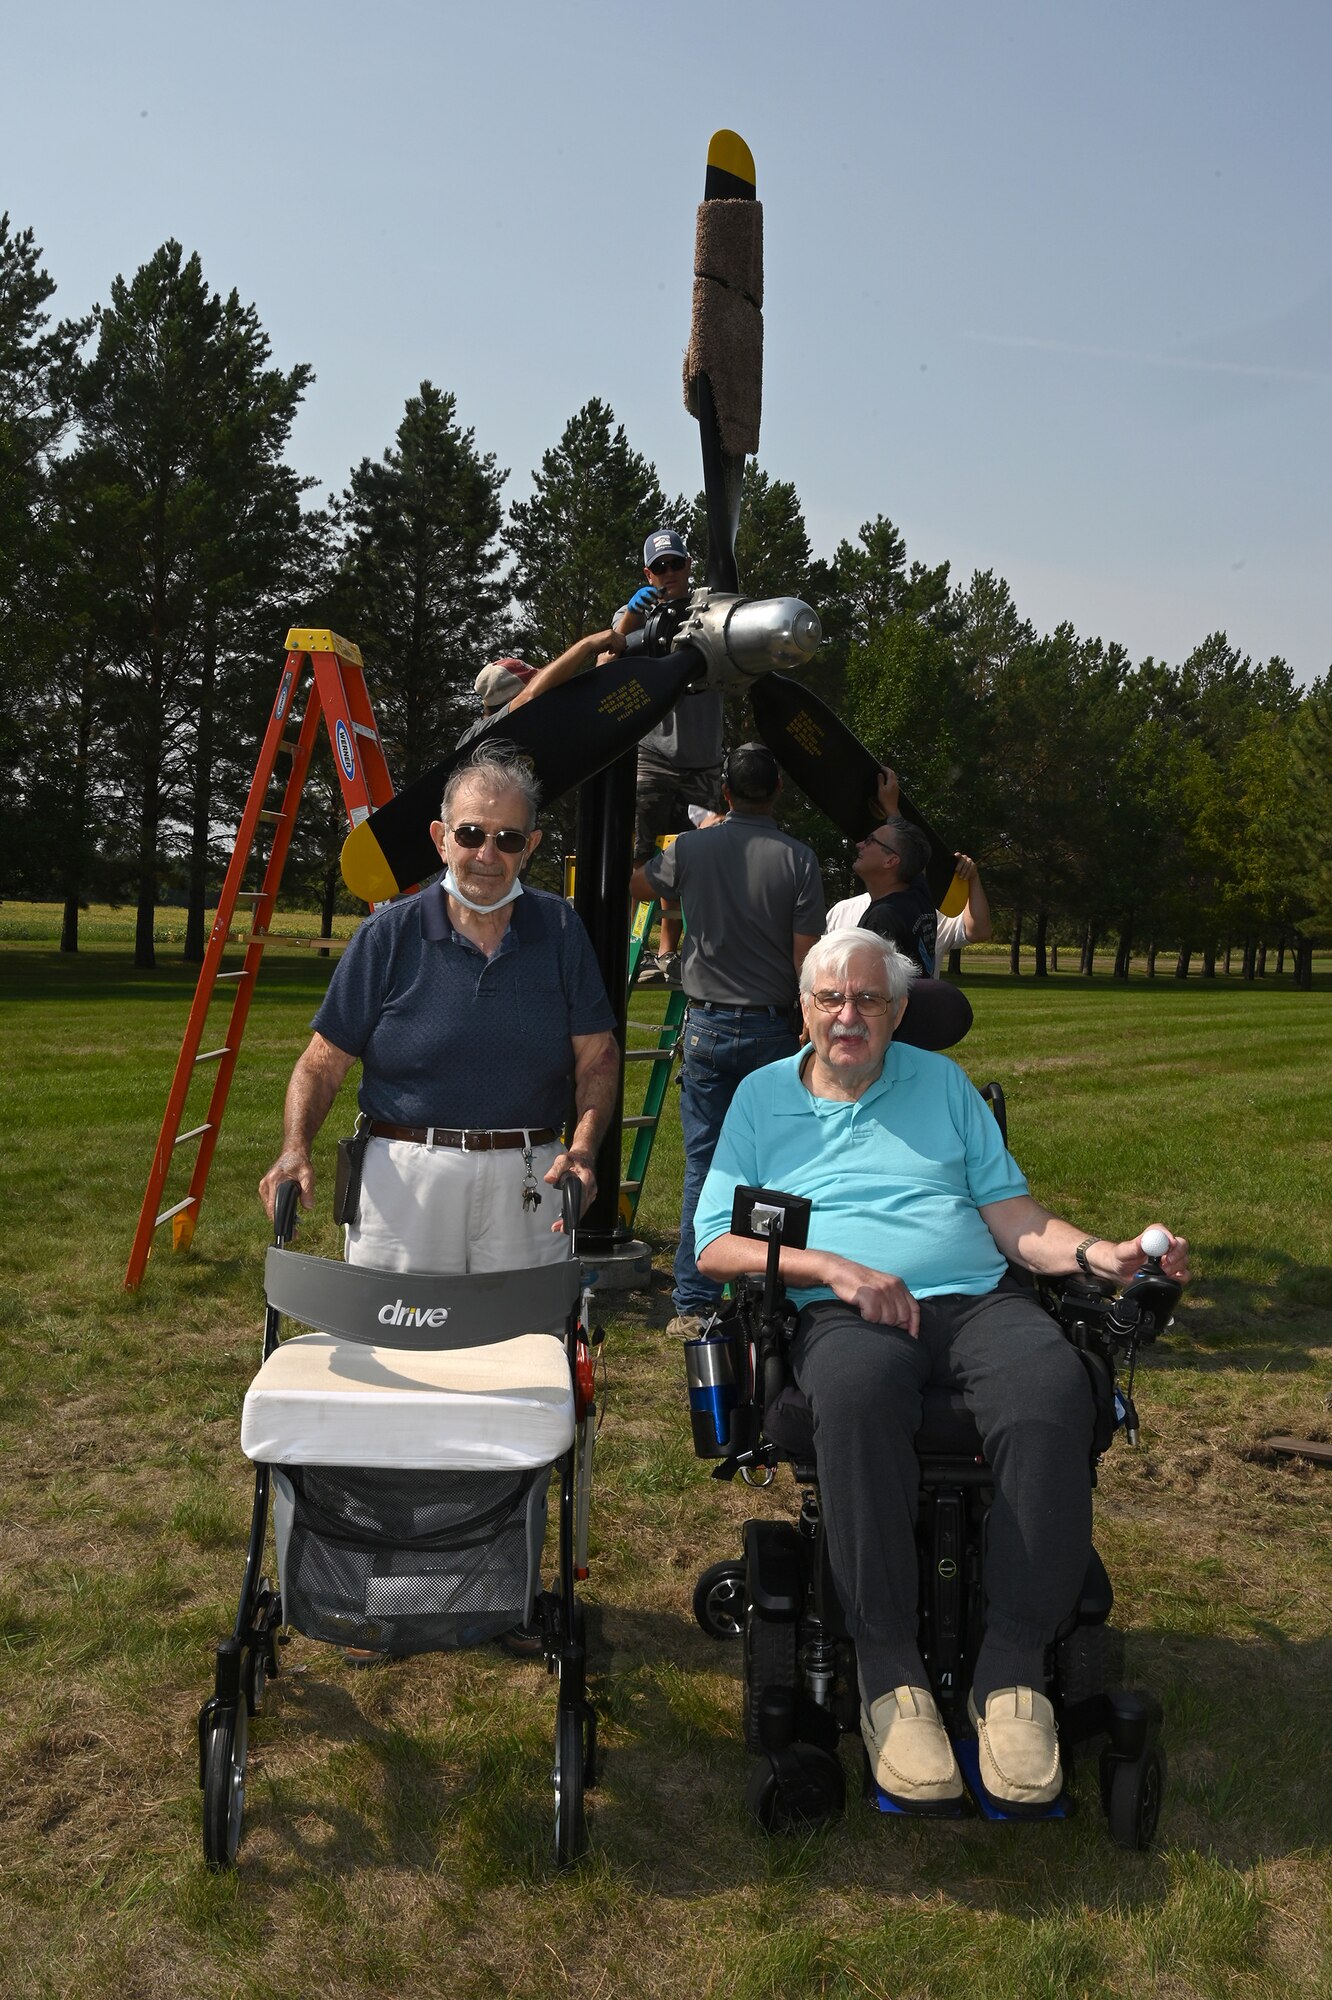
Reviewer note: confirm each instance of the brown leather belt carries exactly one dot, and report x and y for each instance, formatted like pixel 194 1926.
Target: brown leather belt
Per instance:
pixel 468 1141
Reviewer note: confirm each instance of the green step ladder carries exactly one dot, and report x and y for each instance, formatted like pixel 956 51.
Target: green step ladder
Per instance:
pixel 661 1054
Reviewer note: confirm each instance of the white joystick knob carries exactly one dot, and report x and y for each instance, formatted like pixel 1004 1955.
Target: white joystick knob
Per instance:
pixel 1155 1242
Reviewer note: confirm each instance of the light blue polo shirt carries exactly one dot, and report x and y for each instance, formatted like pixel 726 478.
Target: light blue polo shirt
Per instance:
pixel 896 1178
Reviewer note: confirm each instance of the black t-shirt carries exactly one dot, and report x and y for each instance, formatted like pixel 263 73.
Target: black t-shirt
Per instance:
pixel 908 919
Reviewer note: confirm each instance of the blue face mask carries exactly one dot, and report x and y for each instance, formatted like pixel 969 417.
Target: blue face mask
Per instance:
pixel 481 909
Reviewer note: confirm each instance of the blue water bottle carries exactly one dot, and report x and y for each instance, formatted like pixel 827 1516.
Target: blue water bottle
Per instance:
pixel 713 1392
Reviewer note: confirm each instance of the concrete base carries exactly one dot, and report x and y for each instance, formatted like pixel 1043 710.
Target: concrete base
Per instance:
pixel 624 1266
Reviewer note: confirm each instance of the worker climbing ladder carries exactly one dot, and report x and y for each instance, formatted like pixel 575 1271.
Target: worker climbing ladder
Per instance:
pixel 336 691
pixel 660 1053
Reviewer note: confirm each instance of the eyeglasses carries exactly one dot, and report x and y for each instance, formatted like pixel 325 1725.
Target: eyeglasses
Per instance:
pixel 508 840
pixel 883 847
pixel 870 1005
pixel 668 566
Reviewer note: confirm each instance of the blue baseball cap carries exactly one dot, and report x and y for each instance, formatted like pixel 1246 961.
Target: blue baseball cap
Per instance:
pixel 663 542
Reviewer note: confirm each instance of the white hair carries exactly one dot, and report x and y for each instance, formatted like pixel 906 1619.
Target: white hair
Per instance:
pixel 501 768
pixel 831 956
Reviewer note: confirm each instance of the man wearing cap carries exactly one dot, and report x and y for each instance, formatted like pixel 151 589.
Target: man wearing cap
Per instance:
pixel 477 1012
pixel 753 901
pixel 506 684
pixel 679 760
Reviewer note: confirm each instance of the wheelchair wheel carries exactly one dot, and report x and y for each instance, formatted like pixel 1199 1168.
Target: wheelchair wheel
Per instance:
pixel 810 1792
pixel 719 1600
pixel 570 1758
pixel 1131 1791
pixel 770 1661
pixel 224 1785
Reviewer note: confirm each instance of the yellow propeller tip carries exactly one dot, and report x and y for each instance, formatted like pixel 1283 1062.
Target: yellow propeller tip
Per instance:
pixel 364 868
pixel 728 151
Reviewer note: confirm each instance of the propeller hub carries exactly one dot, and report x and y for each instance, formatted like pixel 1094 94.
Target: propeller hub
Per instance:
pixel 743 637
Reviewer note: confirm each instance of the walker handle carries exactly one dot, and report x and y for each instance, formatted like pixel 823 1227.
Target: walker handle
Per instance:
pixel 285 1210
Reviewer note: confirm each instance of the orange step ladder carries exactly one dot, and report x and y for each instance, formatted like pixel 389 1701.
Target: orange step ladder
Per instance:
pixel 337 691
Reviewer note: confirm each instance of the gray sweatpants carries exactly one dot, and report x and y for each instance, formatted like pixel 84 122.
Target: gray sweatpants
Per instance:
pixel 1032 1403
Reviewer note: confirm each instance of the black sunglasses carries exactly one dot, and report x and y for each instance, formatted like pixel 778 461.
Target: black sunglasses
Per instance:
pixel 668 566
pixel 508 839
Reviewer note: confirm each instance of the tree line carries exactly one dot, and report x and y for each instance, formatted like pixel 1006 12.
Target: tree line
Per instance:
pixel 156 545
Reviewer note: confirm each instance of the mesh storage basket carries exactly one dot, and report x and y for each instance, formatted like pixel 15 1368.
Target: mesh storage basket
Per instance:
pixel 404 1561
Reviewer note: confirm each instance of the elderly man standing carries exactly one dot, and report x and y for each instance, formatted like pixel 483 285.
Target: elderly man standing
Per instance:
pixel 476 1010
pixel 918 1208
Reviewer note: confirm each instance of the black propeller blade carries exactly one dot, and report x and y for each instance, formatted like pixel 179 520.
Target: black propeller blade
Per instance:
pixel 568 735
pixel 835 770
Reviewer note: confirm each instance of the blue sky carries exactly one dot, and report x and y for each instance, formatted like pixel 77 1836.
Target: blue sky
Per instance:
pixel 1048 284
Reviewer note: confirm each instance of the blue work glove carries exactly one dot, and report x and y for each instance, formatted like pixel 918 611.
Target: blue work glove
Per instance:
pixel 643 600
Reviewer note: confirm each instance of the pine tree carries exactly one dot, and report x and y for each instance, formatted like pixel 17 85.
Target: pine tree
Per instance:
pixel 420 589
pixel 177 489
pixel 577 544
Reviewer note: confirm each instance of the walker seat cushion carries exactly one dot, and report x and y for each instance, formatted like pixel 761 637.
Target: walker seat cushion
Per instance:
pixel 322 1401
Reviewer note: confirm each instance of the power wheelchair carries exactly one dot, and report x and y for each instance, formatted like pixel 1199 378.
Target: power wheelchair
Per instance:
pixel 800 1690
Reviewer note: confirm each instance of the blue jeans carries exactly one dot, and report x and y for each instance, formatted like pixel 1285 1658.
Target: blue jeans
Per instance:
pixel 722 1045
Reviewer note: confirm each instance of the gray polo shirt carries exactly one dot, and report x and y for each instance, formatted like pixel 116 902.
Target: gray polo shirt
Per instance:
pixel 747 888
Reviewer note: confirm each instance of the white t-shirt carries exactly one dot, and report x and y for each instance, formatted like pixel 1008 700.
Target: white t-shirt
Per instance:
pixel 844 916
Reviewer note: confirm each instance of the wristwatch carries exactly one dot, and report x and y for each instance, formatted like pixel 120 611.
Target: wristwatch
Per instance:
pixel 1081 1254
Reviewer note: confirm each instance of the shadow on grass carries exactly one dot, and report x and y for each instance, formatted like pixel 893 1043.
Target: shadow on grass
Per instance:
pixel 1268 1324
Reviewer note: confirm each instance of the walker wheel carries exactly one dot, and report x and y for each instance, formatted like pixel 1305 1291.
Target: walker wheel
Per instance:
pixel 224 1784
pixel 719 1600
pixel 570 1768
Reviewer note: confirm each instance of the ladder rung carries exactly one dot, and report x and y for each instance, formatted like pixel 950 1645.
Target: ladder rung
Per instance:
pixel 649 1055
pixel 195 1132
pixel 244 970
pixel 167 1213
pixel 631 1187
pixel 252 895
pixel 637 1124
pixel 272 818
pixel 211 1055
pixel 366 729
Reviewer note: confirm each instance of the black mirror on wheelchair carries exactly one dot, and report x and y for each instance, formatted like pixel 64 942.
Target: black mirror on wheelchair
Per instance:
pixel 779 1220
pixel 764 1213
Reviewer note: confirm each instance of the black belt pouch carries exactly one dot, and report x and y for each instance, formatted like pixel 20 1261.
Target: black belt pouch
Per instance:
pixel 347 1181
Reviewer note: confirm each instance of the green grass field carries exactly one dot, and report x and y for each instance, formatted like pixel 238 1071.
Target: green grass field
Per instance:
pixel 397 1834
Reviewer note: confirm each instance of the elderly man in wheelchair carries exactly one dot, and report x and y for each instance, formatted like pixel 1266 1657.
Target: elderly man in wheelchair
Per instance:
pixel 920 1228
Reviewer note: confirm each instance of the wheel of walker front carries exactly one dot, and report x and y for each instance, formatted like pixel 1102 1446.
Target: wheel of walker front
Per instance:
pixel 570 1817
pixel 719 1600
pixel 224 1785
pixel 1133 1798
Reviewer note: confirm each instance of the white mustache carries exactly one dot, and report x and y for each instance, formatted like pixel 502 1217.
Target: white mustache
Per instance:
pixel 841 1033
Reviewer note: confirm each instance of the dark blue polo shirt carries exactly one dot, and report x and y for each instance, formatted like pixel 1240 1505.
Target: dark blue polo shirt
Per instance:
pixel 447 1036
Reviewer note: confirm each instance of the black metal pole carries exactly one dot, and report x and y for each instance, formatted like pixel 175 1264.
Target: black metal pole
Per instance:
pixel 601 898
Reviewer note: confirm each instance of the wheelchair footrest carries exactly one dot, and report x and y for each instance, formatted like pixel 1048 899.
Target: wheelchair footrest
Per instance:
pixel 975 1800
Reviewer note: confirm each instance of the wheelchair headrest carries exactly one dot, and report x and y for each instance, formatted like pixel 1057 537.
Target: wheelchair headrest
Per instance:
pixel 937 1015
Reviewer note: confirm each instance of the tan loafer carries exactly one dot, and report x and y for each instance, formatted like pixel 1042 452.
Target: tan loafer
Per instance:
pixel 909 1751
pixel 1019 1750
